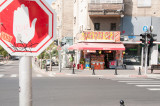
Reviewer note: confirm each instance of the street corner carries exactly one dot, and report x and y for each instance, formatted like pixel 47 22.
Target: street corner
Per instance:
pixel 154 76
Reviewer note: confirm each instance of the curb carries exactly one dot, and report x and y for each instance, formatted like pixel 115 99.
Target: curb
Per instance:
pixel 63 74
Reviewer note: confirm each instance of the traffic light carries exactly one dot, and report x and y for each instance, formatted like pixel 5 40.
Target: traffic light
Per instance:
pixel 62 44
pixel 143 39
pixel 152 39
pixel 56 42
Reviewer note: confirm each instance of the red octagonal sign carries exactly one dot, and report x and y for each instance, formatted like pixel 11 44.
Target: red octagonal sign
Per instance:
pixel 27 27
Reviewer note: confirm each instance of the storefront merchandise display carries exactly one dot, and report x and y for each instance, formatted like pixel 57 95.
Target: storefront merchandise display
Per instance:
pixel 97 61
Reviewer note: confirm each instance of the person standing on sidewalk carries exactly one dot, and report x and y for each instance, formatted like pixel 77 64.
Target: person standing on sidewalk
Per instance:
pixel 71 59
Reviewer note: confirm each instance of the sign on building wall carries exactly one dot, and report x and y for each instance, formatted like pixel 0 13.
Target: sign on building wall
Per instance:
pixel 108 36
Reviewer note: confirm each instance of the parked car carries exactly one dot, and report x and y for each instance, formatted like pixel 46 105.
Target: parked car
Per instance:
pixel 48 62
pixel 15 57
pixel 56 63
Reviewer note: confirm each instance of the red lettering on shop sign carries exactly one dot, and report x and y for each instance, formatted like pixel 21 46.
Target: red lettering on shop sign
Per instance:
pixel 95 35
pixel 101 36
pixel 84 35
pixel 113 63
pixel 106 35
pixel 90 36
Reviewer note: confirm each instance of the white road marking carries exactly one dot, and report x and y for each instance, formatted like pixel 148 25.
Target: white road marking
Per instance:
pixel 1 75
pixel 154 89
pixel 13 75
pixel 148 85
pixel 144 83
pixel 39 75
pixel 139 81
pixel 133 79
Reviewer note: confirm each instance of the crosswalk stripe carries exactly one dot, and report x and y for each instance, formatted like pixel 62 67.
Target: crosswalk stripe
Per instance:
pixel 1 75
pixel 13 75
pixel 154 89
pixel 144 83
pixel 133 79
pixel 148 85
pixel 139 81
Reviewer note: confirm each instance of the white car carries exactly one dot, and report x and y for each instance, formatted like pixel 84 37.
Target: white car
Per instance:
pixel 48 63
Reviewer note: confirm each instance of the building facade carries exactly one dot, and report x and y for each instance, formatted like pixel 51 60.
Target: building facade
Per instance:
pixel 64 10
pixel 112 20
pixel 97 33
pixel 137 14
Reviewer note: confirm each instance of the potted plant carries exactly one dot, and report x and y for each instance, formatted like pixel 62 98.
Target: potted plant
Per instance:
pixel 82 63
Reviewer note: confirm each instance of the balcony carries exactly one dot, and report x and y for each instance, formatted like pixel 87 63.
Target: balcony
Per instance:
pixel 105 9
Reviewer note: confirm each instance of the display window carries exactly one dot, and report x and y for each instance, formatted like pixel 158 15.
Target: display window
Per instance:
pixel 100 59
pixel 132 55
pixel 159 54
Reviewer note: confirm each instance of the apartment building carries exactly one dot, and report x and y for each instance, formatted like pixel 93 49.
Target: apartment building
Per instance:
pixel 64 10
pixel 137 14
pixel 107 32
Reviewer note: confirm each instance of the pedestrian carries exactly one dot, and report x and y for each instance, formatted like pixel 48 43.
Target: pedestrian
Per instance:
pixel 71 59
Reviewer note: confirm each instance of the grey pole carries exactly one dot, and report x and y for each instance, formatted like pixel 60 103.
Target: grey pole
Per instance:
pixel 146 56
pixel 25 81
pixel 142 55
pixel 59 55
pixel 50 61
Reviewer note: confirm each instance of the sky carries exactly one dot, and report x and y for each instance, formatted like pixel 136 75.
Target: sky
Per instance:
pixel 50 1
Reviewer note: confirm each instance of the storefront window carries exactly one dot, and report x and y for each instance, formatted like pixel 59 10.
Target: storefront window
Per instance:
pixel 158 54
pixel 132 55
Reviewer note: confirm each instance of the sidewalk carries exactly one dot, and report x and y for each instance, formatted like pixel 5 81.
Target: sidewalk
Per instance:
pixel 6 62
pixel 108 73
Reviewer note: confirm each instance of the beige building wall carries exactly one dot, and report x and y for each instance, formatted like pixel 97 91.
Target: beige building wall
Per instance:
pixel 64 9
pixel 105 23
pixel 67 18
pixel 83 22
pixel 132 9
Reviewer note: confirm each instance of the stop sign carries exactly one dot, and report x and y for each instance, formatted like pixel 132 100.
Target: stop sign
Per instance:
pixel 27 27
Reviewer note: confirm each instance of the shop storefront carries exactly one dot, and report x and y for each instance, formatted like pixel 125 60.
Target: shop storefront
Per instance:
pixel 132 55
pixel 159 54
pixel 100 59
pixel 99 49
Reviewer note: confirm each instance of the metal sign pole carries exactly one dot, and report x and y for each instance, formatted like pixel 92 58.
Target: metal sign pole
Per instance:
pixel 146 57
pixel 59 55
pixel 25 81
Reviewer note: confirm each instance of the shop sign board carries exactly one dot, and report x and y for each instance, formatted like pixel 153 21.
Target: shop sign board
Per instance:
pixel 107 36
pixel 27 27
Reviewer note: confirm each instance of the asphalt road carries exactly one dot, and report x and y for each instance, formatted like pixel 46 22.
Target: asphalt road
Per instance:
pixel 75 91
pixel 78 92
